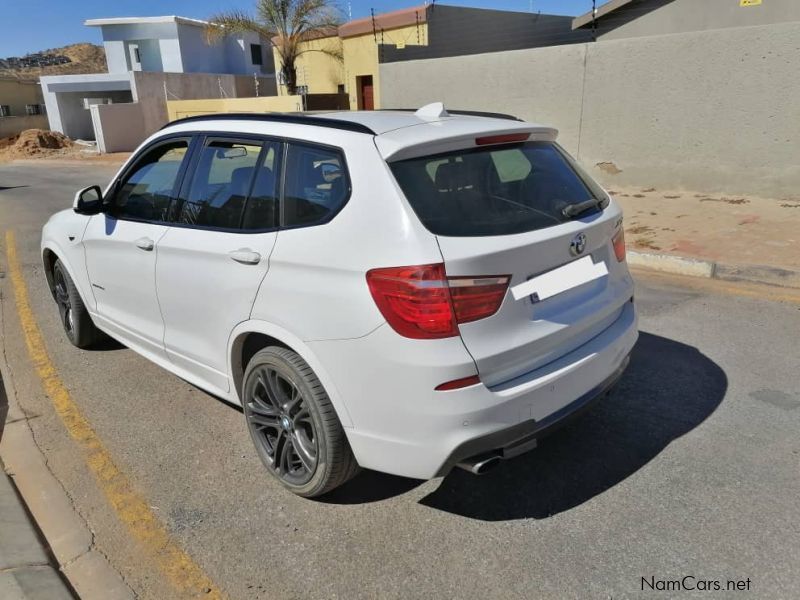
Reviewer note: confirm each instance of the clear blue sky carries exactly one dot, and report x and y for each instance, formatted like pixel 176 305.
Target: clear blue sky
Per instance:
pixel 33 25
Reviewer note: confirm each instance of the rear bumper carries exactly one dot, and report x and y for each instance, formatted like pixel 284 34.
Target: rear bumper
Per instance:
pixel 402 426
pixel 522 438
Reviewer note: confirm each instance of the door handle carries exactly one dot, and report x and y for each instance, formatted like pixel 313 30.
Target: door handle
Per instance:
pixel 245 256
pixel 145 243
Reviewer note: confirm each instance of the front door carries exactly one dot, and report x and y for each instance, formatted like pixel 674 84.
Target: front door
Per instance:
pixel 212 260
pixel 366 96
pixel 120 246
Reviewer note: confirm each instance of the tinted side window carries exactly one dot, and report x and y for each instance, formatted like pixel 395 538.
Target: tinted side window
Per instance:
pixel 148 189
pixel 316 186
pixel 220 184
pixel 261 209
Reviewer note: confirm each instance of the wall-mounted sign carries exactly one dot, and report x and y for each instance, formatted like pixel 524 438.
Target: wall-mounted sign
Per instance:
pixel 749 2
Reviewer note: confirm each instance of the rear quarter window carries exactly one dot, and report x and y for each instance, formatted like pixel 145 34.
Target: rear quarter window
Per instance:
pixel 499 190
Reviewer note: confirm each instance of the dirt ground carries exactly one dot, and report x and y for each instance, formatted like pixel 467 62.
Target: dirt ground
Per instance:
pixel 42 144
pixel 730 229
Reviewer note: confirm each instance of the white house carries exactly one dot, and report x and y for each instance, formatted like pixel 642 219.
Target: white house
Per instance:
pixel 136 46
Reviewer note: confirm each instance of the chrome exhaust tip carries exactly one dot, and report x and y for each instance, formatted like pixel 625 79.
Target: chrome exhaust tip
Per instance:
pixel 478 465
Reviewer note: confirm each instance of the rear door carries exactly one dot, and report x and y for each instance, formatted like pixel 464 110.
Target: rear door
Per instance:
pixel 499 210
pixel 214 256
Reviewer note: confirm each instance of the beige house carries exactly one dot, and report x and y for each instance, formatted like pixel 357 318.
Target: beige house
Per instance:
pixel 416 33
pixel 21 106
pixel 358 44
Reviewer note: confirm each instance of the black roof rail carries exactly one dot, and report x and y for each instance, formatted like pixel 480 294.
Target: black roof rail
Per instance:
pixel 299 119
pixel 466 113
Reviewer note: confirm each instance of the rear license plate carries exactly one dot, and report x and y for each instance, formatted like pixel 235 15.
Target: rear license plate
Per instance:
pixel 560 280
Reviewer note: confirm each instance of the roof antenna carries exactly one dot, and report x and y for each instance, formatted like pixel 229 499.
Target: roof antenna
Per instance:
pixel 434 110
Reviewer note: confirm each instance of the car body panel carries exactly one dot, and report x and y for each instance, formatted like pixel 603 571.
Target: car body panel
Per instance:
pixel 63 236
pixel 525 334
pixel 199 313
pixel 123 278
pixel 319 293
pixel 401 425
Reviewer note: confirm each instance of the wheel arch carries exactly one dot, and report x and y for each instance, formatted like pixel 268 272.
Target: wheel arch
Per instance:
pixel 49 258
pixel 251 336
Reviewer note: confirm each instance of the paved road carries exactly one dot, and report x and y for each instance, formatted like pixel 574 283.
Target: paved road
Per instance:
pixel 691 468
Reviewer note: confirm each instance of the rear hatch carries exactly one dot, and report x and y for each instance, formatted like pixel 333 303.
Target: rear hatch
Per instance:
pixel 502 207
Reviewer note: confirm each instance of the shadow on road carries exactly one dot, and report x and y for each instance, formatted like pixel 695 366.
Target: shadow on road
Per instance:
pixel 105 344
pixel 668 390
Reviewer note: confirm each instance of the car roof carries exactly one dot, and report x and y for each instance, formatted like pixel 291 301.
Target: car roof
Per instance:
pixel 398 133
pixel 384 121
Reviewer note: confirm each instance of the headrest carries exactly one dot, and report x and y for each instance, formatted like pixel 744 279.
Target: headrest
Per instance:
pixel 240 180
pixel 453 176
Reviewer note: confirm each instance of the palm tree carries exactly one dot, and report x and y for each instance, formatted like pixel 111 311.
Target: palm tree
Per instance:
pixel 286 24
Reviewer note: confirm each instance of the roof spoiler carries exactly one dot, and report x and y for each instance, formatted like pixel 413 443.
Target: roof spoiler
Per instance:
pixel 438 106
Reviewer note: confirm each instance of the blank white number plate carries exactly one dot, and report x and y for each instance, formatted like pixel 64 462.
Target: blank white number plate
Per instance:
pixel 561 279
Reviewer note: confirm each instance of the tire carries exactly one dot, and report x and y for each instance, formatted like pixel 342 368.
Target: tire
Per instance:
pixel 75 319
pixel 293 424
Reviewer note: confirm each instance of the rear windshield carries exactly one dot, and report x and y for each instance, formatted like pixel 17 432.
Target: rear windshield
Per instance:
pixel 494 191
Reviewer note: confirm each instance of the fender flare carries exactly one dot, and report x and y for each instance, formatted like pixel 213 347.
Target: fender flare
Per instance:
pixel 49 245
pixel 294 343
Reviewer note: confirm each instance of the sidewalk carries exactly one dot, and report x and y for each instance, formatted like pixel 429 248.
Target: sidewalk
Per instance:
pixel 26 568
pixel 736 237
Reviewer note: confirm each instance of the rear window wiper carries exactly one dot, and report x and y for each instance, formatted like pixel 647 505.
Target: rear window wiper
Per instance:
pixel 573 210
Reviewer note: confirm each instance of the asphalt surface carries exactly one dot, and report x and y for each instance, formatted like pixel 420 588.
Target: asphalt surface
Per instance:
pixel 691 468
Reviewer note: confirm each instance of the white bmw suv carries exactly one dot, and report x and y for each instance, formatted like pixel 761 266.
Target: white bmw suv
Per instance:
pixel 401 291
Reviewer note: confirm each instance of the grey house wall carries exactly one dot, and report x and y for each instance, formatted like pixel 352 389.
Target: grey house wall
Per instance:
pixel 181 48
pixel 148 96
pixel 117 39
pixel 713 111
pixel 457 31
pixel 77 120
pixel 656 17
pixel 76 87
pixel 197 54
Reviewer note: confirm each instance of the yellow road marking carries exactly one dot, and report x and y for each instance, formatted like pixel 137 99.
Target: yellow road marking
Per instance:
pixel 181 571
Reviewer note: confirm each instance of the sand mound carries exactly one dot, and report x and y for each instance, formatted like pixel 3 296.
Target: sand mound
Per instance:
pixel 34 142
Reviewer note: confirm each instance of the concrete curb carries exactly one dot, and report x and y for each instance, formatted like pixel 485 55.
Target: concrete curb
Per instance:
pixel 671 264
pixel 679 265
pixel 68 535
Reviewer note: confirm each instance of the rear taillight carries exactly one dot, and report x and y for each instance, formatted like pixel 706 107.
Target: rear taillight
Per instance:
pixel 507 138
pixel 619 244
pixel 421 302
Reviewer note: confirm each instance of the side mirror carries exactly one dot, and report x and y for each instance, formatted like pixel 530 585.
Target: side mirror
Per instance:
pixel 88 201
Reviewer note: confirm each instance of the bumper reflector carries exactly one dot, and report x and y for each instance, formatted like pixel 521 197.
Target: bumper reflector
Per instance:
pixel 457 384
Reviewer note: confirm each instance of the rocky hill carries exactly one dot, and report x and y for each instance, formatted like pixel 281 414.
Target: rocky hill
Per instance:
pixel 69 60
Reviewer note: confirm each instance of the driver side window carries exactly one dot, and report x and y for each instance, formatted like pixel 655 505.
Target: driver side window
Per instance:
pixel 148 189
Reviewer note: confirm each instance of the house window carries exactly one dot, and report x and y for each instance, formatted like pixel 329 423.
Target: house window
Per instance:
pixel 5 110
pixel 255 54
pixel 33 109
pixel 340 89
